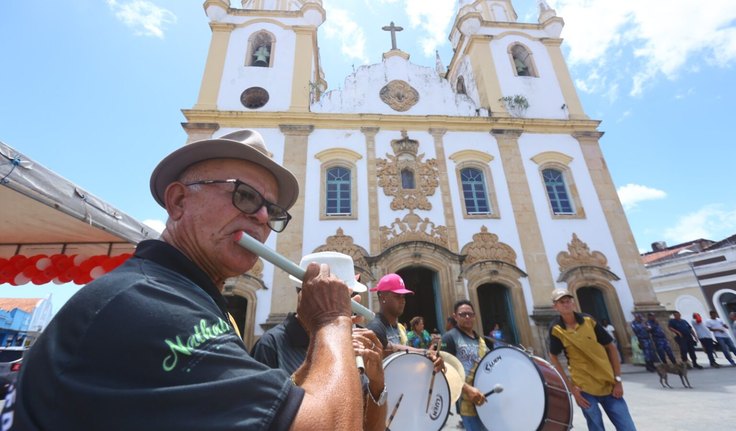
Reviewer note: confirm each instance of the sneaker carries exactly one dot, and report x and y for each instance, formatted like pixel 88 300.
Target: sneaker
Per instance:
pixel 699 367
pixel 714 365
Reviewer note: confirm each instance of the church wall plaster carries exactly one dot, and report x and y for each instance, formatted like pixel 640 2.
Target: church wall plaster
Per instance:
pixel 361 91
pixel 238 77
pixel 542 92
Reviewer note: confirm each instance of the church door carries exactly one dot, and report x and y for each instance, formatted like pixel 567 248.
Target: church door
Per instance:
pixel 593 302
pixel 425 301
pixel 495 305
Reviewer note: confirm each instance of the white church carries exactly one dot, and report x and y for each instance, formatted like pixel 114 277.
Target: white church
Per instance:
pixel 483 180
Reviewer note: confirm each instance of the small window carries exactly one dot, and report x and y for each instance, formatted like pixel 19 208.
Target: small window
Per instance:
pixel 474 191
pixel 559 198
pixel 522 58
pixel 407 179
pixel 338 190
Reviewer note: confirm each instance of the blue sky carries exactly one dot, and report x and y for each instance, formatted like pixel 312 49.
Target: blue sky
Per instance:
pixel 93 89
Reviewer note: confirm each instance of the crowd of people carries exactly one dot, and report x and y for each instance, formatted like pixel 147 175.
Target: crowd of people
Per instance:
pixel 154 336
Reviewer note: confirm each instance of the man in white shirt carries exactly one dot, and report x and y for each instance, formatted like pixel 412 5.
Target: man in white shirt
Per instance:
pixel 720 330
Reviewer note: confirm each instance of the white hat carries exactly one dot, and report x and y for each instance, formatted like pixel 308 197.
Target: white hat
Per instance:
pixel 341 266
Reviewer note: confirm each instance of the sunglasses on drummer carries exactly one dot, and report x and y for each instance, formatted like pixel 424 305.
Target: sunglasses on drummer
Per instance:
pixel 249 200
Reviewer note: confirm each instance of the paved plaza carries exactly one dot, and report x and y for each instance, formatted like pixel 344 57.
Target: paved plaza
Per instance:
pixel 709 406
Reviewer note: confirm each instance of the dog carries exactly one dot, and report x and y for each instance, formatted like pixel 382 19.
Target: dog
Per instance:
pixel 679 368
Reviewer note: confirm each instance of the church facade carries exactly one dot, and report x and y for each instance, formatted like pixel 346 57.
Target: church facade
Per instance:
pixel 483 180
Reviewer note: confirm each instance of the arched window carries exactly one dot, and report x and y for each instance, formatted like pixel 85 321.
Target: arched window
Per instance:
pixel 474 191
pixel 559 198
pixel 522 61
pixel 460 87
pixel 407 179
pixel 260 49
pixel 338 188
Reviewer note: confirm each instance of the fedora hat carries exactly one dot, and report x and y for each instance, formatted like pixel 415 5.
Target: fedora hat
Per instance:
pixel 341 266
pixel 243 144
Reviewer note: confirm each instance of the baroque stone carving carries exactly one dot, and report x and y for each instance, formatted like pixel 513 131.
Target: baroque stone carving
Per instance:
pixel 342 243
pixel 412 228
pixel 579 254
pixel 399 95
pixel 424 174
pixel 485 246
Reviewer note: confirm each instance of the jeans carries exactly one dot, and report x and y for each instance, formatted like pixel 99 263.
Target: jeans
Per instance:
pixel 726 345
pixel 473 423
pixel 616 409
pixel 707 344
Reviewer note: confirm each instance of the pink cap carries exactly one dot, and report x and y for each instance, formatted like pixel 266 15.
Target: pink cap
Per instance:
pixel 391 283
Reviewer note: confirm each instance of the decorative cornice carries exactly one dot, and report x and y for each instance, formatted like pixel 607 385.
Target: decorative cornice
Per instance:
pixel 412 228
pixel 296 129
pixel 338 153
pixel 552 156
pixel 471 156
pixel 579 254
pixel 344 244
pixel 396 122
pixel 486 247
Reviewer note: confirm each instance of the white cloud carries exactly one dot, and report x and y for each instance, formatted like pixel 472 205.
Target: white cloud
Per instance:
pixel 710 222
pixel 631 194
pixel 433 17
pixel 345 29
pixel 665 37
pixel 156 225
pixel 144 17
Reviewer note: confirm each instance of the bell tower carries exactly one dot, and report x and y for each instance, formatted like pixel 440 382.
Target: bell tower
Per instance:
pixel 510 68
pixel 263 56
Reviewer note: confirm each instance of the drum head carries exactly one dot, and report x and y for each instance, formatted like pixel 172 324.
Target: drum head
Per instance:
pixel 410 375
pixel 521 403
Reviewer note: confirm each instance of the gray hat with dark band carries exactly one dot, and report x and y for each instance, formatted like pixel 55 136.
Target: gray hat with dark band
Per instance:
pixel 241 145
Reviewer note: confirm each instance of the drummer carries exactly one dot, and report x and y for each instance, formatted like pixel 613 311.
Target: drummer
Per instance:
pixel 386 326
pixel 464 343
pixel 285 346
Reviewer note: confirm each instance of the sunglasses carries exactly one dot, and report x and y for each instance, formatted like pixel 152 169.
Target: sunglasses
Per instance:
pixel 466 314
pixel 249 200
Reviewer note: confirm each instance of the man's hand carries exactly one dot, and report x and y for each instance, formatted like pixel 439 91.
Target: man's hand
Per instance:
pixel 577 394
pixel 366 344
pixel 474 395
pixel 618 390
pixel 439 363
pixel 324 299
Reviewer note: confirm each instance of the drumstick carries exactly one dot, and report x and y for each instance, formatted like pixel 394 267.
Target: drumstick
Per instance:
pixel 496 389
pixel 255 246
pixel 431 382
pixel 393 413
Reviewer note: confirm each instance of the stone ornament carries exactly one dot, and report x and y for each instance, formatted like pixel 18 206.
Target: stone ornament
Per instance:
pixel 405 158
pixel 486 247
pixel 399 95
pixel 412 228
pixel 579 254
pixel 344 244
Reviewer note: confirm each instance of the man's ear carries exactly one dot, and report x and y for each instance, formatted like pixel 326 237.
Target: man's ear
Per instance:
pixel 174 199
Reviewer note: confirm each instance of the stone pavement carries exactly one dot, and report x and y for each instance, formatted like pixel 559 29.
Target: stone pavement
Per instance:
pixel 709 406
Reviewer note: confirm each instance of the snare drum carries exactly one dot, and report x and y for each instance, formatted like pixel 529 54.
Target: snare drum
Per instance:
pixel 410 375
pixel 534 396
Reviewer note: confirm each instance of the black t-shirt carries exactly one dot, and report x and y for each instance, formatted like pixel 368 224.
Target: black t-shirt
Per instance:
pixel 283 346
pixel 384 331
pixel 148 347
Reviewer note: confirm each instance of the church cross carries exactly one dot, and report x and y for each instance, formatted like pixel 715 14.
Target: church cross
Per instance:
pixel 393 29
